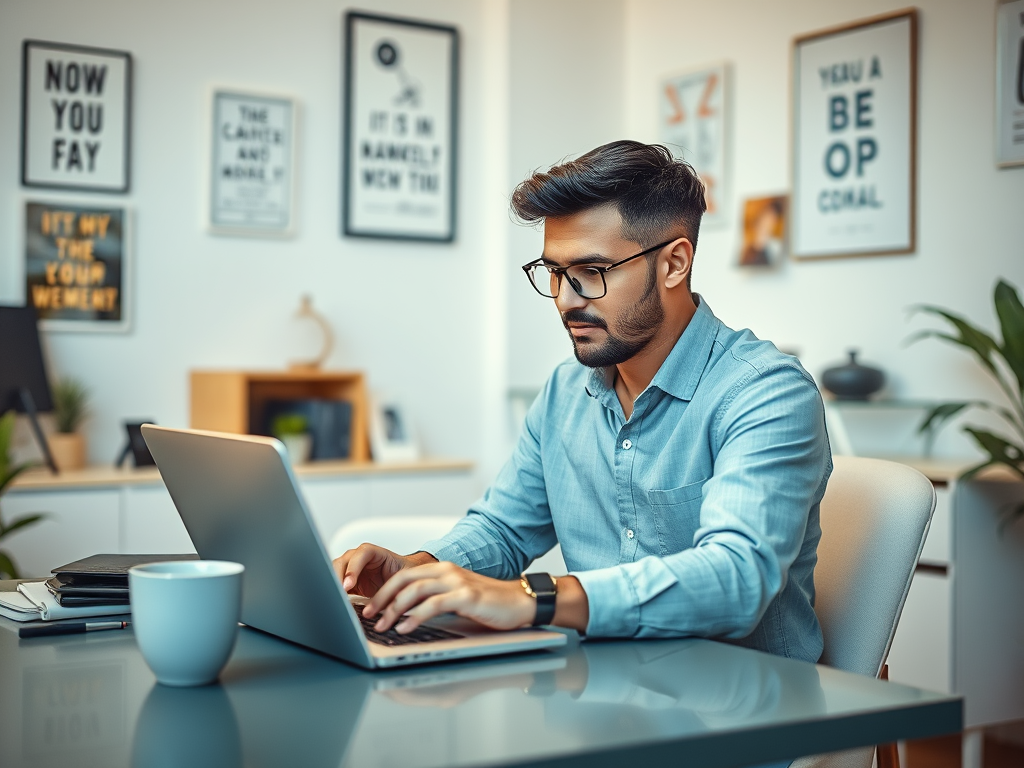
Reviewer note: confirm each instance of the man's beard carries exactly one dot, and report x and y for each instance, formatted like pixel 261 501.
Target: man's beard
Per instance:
pixel 636 328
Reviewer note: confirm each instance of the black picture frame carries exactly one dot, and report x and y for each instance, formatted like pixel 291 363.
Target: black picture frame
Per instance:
pixel 28 172
pixel 351 227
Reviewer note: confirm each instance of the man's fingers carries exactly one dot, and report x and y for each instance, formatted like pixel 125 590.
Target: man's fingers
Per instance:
pixel 358 560
pixel 412 595
pixel 446 602
pixel 400 581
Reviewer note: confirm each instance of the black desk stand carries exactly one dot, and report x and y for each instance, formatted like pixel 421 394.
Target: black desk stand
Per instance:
pixel 29 404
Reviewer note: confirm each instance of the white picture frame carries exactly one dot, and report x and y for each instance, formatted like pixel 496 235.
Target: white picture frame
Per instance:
pixel 392 435
pixel 694 122
pixel 854 176
pixel 55 273
pixel 252 164
pixel 400 129
pixel 1010 84
pixel 75 117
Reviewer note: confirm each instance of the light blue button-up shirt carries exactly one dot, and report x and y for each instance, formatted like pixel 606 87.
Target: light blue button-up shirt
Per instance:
pixel 698 515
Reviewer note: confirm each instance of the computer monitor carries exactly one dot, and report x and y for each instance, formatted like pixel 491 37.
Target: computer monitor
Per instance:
pixel 24 385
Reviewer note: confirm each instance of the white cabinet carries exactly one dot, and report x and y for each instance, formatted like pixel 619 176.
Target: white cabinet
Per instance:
pixel 105 511
pixel 77 524
pixel 962 628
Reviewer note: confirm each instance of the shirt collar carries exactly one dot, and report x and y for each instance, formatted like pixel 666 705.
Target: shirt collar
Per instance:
pixel 682 370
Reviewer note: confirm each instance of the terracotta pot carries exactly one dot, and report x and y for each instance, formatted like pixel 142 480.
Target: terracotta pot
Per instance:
pixel 68 449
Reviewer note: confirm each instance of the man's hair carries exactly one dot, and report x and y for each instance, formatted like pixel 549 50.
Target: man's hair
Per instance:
pixel 657 195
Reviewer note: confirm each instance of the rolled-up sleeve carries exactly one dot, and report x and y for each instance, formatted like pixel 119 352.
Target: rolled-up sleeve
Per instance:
pixel 771 464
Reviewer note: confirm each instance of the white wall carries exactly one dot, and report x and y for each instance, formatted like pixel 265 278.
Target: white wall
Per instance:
pixel 970 223
pixel 566 95
pixel 411 315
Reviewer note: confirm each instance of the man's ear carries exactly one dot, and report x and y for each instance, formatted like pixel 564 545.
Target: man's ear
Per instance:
pixel 680 260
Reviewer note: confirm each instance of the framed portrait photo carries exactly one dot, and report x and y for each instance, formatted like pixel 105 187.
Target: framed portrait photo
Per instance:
pixel 764 231
pixel 252 189
pixel 693 121
pixel 78 265
pixel 855 139
pixel 392 437
pixel 401 114
pixel 1010 84
pixel 75 117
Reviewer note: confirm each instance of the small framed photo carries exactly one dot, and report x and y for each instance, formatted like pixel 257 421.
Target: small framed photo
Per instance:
pixel 75 117
pixel 78 266
pixel 1010 84
pixel 252 189
pixel 392 438
pixel 764 231
pixel 855 139
pixel 401 115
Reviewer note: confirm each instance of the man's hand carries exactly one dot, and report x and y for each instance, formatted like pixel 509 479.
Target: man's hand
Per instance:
pixel 429 590
pixel 364 570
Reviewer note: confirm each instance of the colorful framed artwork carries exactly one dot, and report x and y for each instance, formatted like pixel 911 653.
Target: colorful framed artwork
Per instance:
pixel 77 266
pixel 252 189
pixel 75 117
pixel 693 121
pixel 855 139
pixel 1010 84
pixel 401 116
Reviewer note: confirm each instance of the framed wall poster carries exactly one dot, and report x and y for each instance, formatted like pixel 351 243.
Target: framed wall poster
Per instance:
pixel 1010 84
pixel 401 111
pixel 693 114
pixel 855 139
pixel 77 266
pixel 252 190
pixel 764 231
pixel 75 117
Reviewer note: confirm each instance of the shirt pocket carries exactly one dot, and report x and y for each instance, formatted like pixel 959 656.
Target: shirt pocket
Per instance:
pixel 676 513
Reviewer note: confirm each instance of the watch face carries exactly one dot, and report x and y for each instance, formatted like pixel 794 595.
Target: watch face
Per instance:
pixel 541 583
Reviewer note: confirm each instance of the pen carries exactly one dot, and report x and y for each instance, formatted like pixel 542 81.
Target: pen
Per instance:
pixel 71 628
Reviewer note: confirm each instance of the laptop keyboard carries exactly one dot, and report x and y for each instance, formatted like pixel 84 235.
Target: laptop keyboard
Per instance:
pixel 418 635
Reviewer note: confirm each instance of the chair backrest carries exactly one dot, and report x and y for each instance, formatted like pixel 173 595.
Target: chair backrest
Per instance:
pixel 407 533
pixel 403 534
pixel 874 519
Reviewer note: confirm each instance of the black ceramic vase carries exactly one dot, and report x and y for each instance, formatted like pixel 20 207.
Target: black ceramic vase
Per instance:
pixel 853 381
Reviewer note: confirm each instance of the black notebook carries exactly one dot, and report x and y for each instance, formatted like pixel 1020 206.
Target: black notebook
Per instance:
pixel 112 569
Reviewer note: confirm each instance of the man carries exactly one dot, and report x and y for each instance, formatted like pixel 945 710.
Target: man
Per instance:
pixel 679 463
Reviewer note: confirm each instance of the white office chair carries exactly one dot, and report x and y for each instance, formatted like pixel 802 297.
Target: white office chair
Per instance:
pixel 874 519
pixel 407 533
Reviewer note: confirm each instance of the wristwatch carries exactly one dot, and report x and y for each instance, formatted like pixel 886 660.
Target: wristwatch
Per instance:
pixel 543 588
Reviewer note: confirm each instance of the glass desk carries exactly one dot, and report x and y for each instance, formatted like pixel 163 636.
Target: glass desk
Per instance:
pixel 88 700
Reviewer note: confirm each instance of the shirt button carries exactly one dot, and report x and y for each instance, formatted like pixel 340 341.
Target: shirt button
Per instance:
pixel 629 533
pixel 626 445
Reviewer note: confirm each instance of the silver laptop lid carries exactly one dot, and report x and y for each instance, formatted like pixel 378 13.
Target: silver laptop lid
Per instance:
pixel 239 501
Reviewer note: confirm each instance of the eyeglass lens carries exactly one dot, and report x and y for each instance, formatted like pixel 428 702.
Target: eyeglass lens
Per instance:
pixel 586 281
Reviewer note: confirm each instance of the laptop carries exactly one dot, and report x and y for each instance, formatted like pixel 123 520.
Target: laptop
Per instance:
pixel 239 501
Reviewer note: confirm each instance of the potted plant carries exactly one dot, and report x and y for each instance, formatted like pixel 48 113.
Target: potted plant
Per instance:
pixel 8 569
pixel 1004 361
pixel 292 429
pixel 70 408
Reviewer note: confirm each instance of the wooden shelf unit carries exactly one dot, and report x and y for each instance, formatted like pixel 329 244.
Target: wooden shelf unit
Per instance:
pixel 234 401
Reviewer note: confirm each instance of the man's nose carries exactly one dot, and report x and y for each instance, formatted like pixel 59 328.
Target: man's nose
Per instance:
pixel 567 298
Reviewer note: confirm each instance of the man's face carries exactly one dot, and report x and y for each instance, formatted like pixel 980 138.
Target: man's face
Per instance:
pixel 614 328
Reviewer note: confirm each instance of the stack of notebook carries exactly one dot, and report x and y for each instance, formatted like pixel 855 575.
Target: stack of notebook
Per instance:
pixel 100 580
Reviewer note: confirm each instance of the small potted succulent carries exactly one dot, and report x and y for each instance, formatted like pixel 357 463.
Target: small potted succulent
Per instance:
pixel 70 409
pixel 8 472
pixel 292 429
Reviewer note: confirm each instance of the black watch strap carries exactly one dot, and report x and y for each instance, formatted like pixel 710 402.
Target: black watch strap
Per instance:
pixel 542 587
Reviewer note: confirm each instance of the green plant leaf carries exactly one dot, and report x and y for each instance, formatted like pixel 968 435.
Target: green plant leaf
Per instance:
pixel 940 414
pixel 21 522
pixel 1011 321
pixel 6 432
pixel 8 478
pixel 7 566
pixel 1000 450
pixel 971 337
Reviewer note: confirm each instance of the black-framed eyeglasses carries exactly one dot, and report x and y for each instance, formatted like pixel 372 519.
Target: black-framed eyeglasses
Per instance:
pixel 586 279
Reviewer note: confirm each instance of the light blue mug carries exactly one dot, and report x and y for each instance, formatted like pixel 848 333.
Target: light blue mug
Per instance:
pixel 185 617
